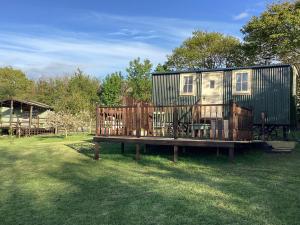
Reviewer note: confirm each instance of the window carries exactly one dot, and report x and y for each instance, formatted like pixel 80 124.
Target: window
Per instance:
pixel 241 83
pixel 211 84
pixel 187 84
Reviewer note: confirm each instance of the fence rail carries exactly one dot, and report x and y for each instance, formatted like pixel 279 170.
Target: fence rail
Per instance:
pixel 209 121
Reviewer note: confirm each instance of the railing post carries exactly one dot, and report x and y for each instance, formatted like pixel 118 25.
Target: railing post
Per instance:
pixel 175 122
pixel 138 120
pixel 232 119
pixel 97 121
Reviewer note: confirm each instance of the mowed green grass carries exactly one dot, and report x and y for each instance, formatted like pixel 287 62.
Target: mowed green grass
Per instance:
pixel 52 180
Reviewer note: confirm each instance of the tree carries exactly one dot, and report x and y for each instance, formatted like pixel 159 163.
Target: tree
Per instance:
pixel 161 68
pixel 86 86
pixel 206 50
pixel 139 79
pixel 275 34
pixel 14 84
pixel 73 94
pixel 62 120
pixel 112 89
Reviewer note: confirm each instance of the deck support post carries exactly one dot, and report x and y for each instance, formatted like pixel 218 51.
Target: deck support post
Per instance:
pixel 96 150
pixel 231 154
pixel 137 152
pixel 218 151
pixel 175 156
pixel 284 132
pixel 122 148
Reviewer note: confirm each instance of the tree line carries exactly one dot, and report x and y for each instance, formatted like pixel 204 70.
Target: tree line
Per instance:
pixel 273 36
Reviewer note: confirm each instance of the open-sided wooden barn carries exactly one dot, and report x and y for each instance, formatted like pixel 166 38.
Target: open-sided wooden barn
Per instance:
pixel 205 108
pixel 23 117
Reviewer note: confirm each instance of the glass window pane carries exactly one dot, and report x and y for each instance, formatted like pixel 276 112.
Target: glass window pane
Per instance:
pixel 238 77
pixel 186 80
pixel 238 86
pixel 190 88
pixel 245 86
pixel 190 79
pixel 185 88
pixel 245 76
pixel 212 84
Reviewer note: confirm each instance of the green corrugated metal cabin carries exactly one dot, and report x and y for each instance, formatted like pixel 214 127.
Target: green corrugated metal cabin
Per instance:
pixel 270 89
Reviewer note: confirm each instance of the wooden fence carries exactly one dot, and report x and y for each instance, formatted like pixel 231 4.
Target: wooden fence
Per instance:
pixel 214 121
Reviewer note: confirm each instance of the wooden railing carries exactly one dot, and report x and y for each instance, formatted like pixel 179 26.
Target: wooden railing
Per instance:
pixel 214 121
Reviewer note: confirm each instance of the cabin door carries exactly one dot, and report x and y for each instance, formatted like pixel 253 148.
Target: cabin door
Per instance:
pixel 212 93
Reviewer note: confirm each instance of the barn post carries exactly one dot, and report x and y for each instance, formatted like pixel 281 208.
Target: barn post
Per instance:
pixel 30 116
pixel 11 116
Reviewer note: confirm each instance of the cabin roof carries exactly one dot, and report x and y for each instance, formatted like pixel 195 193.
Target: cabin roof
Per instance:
pixel 221 69
pixel 6 102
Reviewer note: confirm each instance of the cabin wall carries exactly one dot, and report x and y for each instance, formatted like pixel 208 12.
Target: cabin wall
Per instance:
pixel 165 90
pixel 17 114
pixel 271 93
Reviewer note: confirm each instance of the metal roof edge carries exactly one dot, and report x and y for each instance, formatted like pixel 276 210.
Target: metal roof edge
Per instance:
pixel 221 69
pixel 29 102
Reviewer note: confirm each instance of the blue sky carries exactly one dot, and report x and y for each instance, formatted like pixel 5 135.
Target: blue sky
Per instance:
pixel 52 38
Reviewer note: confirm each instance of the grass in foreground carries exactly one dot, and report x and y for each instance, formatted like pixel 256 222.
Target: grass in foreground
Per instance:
pixel 52 180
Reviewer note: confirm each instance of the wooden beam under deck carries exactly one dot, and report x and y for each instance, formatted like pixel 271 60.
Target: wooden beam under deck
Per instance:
pixel 185 142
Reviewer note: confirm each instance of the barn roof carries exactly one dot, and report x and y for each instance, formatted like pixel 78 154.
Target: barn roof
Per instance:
pixel 27 102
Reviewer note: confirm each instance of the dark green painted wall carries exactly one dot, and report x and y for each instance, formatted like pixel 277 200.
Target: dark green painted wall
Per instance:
pixel 271 92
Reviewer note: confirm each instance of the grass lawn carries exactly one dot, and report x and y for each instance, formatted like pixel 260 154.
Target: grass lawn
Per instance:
pixel 52 180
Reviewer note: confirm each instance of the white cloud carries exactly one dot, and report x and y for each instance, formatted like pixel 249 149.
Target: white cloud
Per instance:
pixel 53 56
pixel 241 16
pixel 108 46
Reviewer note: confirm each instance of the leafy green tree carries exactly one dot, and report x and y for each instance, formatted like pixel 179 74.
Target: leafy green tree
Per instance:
pixel 15 84
pixel 112 89
pixel 139 79
pixel 206 50
pixel 87 86
pixel 69 94
pixel 161 68
pixel 275 34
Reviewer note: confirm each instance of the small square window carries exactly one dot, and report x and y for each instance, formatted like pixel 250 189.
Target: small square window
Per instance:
pixel 211 84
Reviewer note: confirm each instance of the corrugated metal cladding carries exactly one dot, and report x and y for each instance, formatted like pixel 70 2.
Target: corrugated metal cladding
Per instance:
pixel 165 90
pixel 271 92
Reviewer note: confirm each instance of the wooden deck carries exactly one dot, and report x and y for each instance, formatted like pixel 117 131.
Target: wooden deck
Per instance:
pixel 176 143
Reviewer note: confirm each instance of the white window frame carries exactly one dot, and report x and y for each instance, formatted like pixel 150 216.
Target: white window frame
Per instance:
pixel 234 80
pixel 194 86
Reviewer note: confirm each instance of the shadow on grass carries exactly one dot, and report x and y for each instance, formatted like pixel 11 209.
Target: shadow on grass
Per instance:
pixel 89 192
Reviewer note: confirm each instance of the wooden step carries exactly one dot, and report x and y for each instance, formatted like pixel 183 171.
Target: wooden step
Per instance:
pixel 280 146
